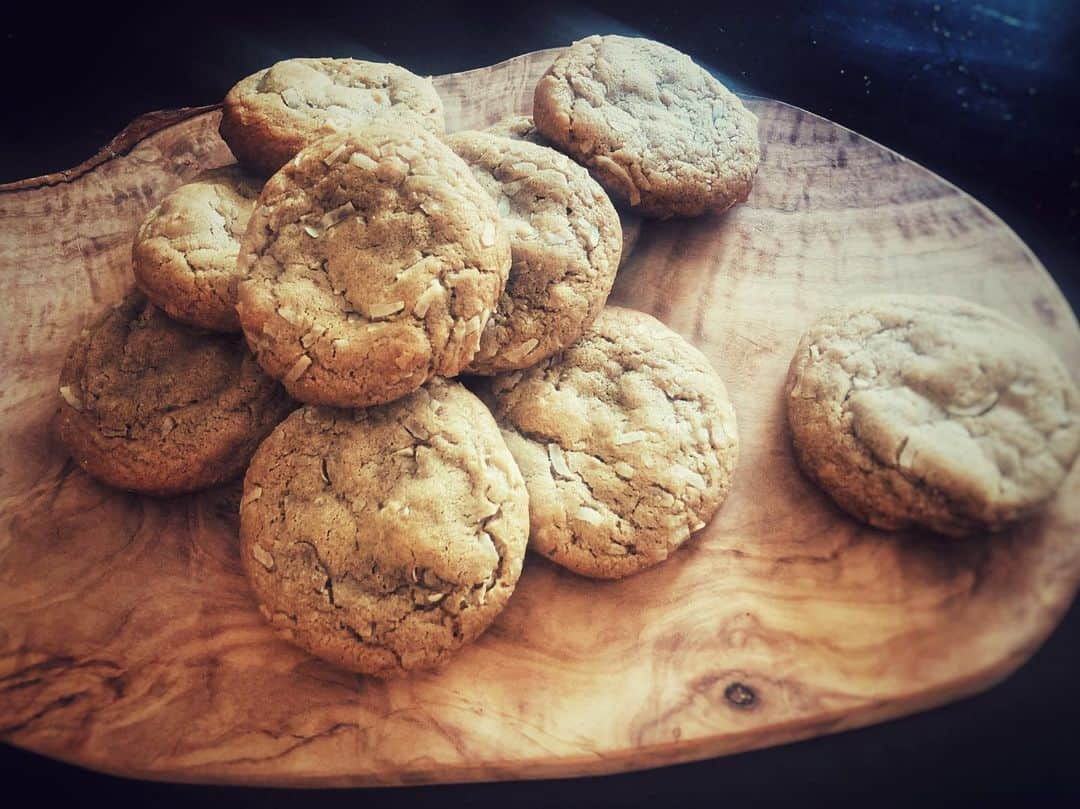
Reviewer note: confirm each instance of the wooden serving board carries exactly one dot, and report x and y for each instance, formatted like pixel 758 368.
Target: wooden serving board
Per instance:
pixel 129 642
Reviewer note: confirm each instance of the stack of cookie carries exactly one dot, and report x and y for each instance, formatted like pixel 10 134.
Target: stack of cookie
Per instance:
pixel 303 316
pixel 321 315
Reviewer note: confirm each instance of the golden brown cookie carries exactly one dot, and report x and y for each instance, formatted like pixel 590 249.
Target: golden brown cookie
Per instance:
pixel 184 256
pixel 658 131
pixel 522 127
pixel 273 114
pixel 385 539
pixel 371 264
pixel 154 406
pixel 565 243
pixel 931 411
pixel 627 442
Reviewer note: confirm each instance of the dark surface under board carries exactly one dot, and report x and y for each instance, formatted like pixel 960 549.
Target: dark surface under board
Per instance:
pixel 985 94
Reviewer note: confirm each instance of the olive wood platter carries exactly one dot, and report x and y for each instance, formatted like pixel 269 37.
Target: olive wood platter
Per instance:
pixel 130 643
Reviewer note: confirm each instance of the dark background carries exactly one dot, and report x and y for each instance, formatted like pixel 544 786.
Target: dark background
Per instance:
pixel 985 94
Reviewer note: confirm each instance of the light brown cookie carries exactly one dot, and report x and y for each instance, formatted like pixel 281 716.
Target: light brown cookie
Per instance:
pixel 154 406
pixel 931 411
pixel 371 264
pixel 627 442
pixel 184 256
pixel 385 539
pixel 522 127
pixel 273 114
pixel 659 132
pixel 564 243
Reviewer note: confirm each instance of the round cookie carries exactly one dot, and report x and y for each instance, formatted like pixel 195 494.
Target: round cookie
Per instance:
pixel 371 264
pixel 522 127
pixel 565 244
pixel 153 406
pixel 184 256
pixel 385 539
pixel 627 442
pixel 658 131
pixel 931 411
pixel 273 114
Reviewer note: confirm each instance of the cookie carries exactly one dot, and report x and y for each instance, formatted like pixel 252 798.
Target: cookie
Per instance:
pixel 371 264
pixel 658 131
pixel 153 406
pixel 385 539
pixel 271 115
pixel 522 127
pixel 627 441
pixel 565 244
pixel 518 127
pixel 184 256
pixel 931 411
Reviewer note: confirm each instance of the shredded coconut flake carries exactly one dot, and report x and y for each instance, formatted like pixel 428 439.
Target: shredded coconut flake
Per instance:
pixel 298 368
pixel 70 397
pixel 590 515
pixel 262 556
pixel 385 309
pixel 338 215
pixel 335 155
pixel 719 434
pixel 288 315
pixel 427 297
pixel 689 476
pixel 526 348
pixel 558 461
pixel 361 160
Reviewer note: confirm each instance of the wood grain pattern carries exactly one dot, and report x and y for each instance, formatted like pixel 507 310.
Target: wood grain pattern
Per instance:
pixel 129 642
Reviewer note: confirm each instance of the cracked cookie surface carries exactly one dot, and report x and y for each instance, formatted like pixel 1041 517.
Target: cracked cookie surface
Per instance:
pixel 271 115
pixel 385 539
pixel 627 442
pixel 931 411
pixel 184 255
pixel 372 263
pixel 565 244
pixel 522 127
pixel 153 406
pixel 658 131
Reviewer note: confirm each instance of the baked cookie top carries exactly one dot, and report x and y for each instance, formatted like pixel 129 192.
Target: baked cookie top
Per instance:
pixel 522 127
pixel 273 114
pixel 385 539
pixel 518 127
pixel 372 262
pixel 931 411
pixel 627 441
pixel 658 131
pixel 154 406
pixel 565 243
pixel 184 256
